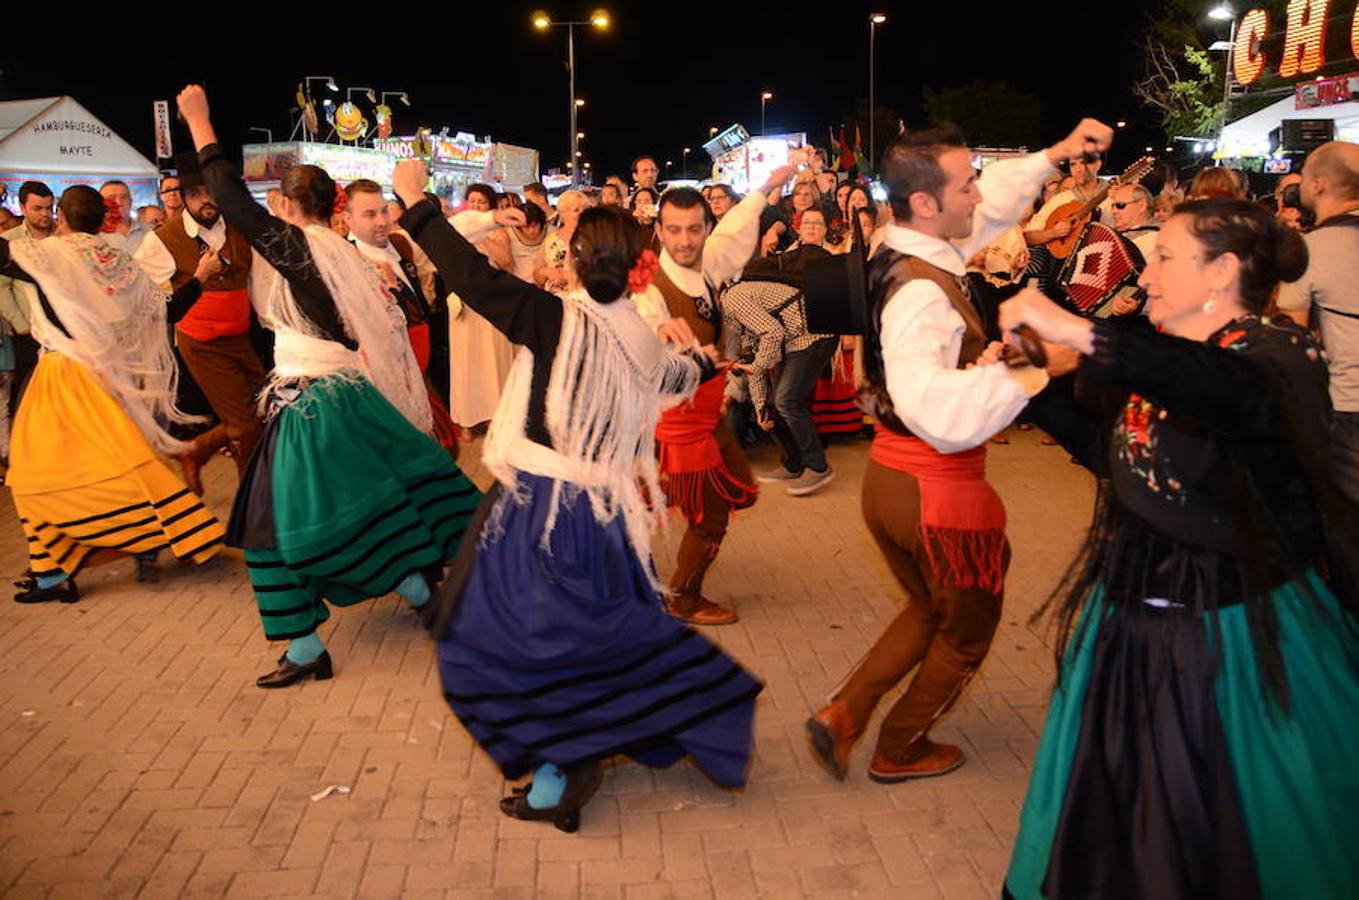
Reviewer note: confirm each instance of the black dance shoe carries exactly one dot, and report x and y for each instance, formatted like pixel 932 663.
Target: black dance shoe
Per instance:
pixel 65 592
pixel 582 782
pixel 289 672
pixel 147 571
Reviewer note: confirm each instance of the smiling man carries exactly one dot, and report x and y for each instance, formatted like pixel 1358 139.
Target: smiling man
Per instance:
pixel 706 474
pixel 939 393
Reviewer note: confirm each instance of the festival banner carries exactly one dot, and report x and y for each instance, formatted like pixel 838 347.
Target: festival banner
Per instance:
pixel 165 148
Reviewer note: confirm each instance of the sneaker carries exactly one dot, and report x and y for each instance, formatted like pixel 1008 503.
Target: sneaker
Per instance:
pixel 810 481
pixel 779 473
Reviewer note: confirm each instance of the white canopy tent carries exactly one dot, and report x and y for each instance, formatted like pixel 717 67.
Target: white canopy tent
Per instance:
pixel 1248 136
pixel 57 141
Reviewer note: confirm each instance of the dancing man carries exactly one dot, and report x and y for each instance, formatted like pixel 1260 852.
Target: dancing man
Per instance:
pixel 705 473
pixel 939 392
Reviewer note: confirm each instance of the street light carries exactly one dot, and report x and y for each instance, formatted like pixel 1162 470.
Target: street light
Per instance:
pixel 765 97
pixel 685 159
pixel 368 92
pixel 1223 12
pixel 712 131
pixel 874 21
pixel 598 19
pixel 1121 124
pixel 400 95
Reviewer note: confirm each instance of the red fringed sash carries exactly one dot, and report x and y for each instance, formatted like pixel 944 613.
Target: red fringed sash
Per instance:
pixel 690 457
pixel 962 519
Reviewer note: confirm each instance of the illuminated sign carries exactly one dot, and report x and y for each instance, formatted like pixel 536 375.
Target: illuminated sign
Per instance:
pixel 1327 91
pixel 462 149
pixel 1304 41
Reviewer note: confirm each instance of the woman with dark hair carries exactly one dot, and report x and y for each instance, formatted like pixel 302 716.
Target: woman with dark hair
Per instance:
pixel 346 496
pixel 555 647
pixel 1200 741
pixel 87 479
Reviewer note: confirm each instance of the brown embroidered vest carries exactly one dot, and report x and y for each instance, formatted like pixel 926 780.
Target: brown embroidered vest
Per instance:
pixel 185 250
pixel 888 271
pixel 683 306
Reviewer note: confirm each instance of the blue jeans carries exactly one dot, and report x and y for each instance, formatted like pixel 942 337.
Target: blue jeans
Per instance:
pixel 1345 453
pixel 793 426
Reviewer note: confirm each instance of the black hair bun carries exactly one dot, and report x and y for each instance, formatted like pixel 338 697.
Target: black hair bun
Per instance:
pixel 604 274
pixel 1290 255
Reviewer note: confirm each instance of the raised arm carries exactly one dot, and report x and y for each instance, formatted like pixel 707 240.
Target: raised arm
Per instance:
pixel 524 313
pixel 282 245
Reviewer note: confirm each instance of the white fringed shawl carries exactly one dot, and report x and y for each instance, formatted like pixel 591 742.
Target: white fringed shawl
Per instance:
pixel 115 318
pixel 370 316
pixel 610 379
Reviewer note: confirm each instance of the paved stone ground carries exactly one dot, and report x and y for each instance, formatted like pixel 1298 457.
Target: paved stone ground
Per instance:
pixel 137 758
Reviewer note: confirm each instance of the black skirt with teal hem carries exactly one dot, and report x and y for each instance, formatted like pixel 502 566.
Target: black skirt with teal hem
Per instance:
pixel 562 651
pixel 342 499
pixel 1165 770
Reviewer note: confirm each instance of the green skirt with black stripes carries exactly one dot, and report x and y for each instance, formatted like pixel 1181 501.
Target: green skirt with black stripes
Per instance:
pixel 343 498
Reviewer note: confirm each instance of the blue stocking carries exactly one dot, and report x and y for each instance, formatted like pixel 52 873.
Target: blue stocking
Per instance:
pixel 47 581
pixel 415 589
pixel 549 784
pixel 306 649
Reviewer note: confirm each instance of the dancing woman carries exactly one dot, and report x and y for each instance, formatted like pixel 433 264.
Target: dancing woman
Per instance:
pixel 555 648
pixel 346 497
pixel 86 474
pixel 1200 741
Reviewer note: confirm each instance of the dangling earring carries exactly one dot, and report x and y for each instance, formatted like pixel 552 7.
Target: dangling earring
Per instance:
pixel 1210 305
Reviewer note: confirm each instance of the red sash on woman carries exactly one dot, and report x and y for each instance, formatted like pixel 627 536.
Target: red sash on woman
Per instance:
pixel 962 518
pixel 690 457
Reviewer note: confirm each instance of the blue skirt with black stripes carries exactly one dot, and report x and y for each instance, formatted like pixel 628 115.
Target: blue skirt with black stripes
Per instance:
pixel 562 651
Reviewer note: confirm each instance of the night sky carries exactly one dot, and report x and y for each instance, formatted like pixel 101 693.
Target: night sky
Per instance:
pixel 654 82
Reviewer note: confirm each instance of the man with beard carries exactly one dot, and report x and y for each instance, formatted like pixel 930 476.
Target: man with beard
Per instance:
pixel 35 202
pixel 214 337
pixel 706 475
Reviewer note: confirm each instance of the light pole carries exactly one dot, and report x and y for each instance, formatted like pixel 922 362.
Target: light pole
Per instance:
pixel 598 19
pixel 874 21
pixel 765 97
pixel 1223 12
pixel 685 161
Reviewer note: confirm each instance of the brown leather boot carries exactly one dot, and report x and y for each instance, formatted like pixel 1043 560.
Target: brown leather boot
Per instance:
pixel 204 446
pixel 832 734
pixel 926 761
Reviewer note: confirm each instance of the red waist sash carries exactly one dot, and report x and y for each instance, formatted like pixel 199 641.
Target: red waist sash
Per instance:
pixel 962 518
pixel 690 457
pixel 218 314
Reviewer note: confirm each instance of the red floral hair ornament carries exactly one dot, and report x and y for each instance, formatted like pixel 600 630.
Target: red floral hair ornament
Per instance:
pixel 639 277
pixel 113 216
pixel 341 201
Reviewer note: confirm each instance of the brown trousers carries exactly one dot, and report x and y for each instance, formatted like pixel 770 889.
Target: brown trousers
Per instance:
pixel 703 539
pixel 944 630
pixel 231 376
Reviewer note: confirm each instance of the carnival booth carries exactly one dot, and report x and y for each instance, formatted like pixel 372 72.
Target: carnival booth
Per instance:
pixel 743 162
pixel 57 141
pixel 264 165
pixel 1314 60
pixel 512 167
pixel 454 161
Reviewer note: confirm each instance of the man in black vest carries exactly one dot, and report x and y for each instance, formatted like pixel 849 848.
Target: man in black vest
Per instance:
pixel 939 392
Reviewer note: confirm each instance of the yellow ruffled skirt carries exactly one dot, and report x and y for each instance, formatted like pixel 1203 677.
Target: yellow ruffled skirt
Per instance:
pixel 87 485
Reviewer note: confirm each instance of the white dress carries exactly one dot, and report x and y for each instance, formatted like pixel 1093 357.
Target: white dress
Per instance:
pixel 479 362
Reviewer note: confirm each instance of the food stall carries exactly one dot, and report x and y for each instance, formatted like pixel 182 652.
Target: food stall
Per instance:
pixel 264 165
pixel 57 141
pixel 742 161
pixel 454 161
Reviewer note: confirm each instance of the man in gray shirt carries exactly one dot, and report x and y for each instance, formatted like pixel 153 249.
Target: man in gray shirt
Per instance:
pixel 1329 291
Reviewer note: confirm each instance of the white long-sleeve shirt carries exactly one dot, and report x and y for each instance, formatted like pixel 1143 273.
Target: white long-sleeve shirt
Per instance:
pixel 949 408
